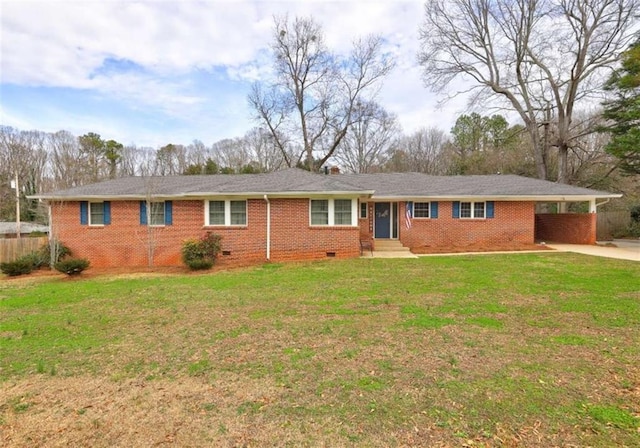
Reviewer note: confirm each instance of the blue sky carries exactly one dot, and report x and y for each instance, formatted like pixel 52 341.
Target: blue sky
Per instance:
pixel 157 72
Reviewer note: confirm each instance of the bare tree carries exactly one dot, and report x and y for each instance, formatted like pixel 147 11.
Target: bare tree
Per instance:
pixel 540 57
pixel 170 160
pixel 66 166
pixel 365 148
pixel 22 156
pixel 263 149
pixel 421 152
pixel 312 100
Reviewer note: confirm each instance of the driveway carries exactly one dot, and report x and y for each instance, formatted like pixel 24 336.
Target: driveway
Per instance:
pixel 625 250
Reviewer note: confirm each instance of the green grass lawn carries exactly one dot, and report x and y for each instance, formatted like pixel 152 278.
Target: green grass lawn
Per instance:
pixel 489 350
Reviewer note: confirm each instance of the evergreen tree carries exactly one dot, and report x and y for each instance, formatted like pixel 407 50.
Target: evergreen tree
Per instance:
pixel 623 112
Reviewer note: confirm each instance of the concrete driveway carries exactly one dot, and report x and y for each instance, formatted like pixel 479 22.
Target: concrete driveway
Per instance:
pixel 625 250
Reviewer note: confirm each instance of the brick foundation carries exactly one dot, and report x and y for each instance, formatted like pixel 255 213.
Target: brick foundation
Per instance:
pixel 568 228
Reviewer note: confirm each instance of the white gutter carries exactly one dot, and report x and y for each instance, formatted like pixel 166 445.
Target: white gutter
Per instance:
pixel 506 198
pixel 204 195
pixel 266 198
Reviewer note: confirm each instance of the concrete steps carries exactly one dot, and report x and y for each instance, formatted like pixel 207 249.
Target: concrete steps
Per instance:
pixel 389 249
pixel 389 246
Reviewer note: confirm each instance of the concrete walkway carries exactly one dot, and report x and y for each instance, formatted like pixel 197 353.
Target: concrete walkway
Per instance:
pixel 625 250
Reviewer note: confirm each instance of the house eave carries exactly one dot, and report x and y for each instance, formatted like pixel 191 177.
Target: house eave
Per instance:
pixel 204 195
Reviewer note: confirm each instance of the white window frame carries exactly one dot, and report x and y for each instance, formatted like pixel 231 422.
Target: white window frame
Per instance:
pixel 331 218
pixel 227 213
pixel 428 210
pixel 473 210
pixel 363 206
pixel 89 220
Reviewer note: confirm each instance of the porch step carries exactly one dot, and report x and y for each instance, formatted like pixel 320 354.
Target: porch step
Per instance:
pixel 385 245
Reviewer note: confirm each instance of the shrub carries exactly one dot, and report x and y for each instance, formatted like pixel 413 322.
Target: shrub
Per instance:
pixel 202 253
pixel 21 266
pixel 72 266
pixel 635 213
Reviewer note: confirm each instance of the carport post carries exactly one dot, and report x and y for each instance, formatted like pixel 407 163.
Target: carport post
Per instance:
pixel 592 206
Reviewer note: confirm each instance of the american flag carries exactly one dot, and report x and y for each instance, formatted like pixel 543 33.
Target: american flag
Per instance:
pixel 408 214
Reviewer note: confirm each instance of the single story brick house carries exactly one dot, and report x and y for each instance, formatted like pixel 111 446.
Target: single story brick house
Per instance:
pixel 295 215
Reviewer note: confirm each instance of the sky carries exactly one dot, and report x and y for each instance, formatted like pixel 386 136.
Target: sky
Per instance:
pixel 156 72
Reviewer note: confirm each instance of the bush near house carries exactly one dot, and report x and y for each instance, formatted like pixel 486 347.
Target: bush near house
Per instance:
pixel 201 254
pixel 72 266
pixel 35 260
pixel 21 266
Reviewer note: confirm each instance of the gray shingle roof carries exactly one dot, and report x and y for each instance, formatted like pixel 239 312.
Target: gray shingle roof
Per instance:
pixel 299 182
pixel 417 184
pixel 289 181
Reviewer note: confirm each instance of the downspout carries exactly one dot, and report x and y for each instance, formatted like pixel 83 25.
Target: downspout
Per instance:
pixel 268 227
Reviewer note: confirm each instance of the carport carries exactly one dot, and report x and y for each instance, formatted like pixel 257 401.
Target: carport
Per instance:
pixel 566 227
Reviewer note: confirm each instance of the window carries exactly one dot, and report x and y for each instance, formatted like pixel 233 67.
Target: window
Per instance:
pixel 238 213
pixel 421 210
pixel 95 213
pixel 156 217
pixel 472 209
pixel 216 213
pixel 363 210
pixel 342 212
pixel 226 213
pixel 333 212
pixel 319 212
pixel 158 213
pixel 478 209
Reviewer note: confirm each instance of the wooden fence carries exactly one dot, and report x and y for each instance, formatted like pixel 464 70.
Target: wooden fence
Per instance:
pixel 13 248
pixel 611 222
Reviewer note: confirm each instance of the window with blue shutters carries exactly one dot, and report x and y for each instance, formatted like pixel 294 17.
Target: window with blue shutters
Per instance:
pixel 421 210
pixel 95 213
pixel 156 213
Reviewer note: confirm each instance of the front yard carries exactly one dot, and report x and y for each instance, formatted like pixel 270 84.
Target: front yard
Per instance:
pixel 521 350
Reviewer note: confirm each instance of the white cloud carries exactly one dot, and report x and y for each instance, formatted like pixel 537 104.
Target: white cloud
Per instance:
pixel 192 62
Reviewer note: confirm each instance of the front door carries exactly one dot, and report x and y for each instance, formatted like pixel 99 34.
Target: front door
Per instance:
pixel 382 220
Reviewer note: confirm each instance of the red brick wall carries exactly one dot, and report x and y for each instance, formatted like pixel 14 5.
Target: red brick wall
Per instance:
pixel 292 238
pixel 126 243
pixel 568 228
pixel 513 222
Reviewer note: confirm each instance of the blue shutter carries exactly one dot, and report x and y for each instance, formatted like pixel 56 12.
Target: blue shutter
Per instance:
pixel 433 213
pixel 490 209
pixel 107 212
pixel 168 213
pixel 143 213
pixel 84 213
pixel 456 209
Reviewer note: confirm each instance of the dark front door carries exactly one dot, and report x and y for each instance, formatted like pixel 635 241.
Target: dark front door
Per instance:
pixel 383 220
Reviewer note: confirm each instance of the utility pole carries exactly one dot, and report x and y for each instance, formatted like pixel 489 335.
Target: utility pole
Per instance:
pixel 15 182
